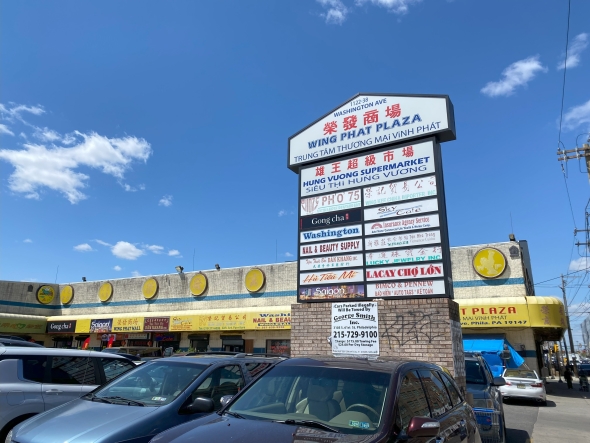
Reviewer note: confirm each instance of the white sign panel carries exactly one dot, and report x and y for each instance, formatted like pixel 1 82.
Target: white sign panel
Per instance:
pixel 402 209
pixel 399 191
pixel 329 262
pixel 330 233
pixel 410 239
pixel 347 276
pixel 403 224
pixel 398 256
pixel 406 272
pixel 368 121
pixel 331 202
pixel 406 288
pixel 355 328
pixel 392 164
pixel 332 247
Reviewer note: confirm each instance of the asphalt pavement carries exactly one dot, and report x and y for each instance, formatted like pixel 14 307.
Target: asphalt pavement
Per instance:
pixel 521 416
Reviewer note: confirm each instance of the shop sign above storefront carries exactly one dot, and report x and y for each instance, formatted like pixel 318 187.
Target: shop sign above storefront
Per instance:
pixel 22 325
pixel 45 294
pixel 489 262
pixel 60 327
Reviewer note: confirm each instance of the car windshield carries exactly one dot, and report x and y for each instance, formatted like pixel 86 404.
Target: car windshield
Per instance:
pixel 520 374
pixel 350 401
pixel 153 384
pixel 474 373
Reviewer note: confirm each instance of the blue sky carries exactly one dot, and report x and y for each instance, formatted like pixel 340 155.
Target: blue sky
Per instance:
pixel 134 135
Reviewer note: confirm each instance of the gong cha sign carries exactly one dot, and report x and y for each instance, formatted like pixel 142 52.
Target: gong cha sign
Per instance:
pixel 371 183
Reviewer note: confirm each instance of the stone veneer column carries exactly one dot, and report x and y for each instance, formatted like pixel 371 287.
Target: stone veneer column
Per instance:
pixel 415 329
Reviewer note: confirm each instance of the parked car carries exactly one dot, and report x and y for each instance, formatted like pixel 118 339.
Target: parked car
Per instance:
pixel 19 342
pixel 150 399
pixel 523 383
pixel 487 398
pixel 321 399
pixel 34 380
pixel 139 351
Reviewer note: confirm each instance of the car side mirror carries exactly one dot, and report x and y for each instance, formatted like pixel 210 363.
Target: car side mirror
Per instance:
pixel 423 427
pixel 225 400
pixel 499 381
pixel 200 405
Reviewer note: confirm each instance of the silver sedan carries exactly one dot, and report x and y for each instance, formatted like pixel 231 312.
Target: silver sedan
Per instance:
pixel 523 383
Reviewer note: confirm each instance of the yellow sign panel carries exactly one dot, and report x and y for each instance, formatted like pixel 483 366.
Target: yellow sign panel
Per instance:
pixel 149 288
pixel 105 292
pixel 268 320
pixel 183 323
pixel 131 324
pixel 489 263
pixel 547 315
pixel 22 326
pixel 198 284
pixel 222 322
pixel 66 294
pixel 83 325
pixel 254 280
pixel 500 315
pixel 45 294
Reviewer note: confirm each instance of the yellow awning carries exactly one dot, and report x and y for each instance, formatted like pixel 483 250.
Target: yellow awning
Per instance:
pixel 22 324
pixel 245 319
pixel 510 312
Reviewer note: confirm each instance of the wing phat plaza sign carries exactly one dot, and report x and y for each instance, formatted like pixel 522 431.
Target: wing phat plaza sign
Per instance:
pixel 372 213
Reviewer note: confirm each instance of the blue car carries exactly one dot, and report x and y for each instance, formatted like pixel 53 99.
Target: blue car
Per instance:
pixel 145 401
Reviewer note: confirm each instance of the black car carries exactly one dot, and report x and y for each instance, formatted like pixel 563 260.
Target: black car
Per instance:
pixel 19 342
pixel 327 399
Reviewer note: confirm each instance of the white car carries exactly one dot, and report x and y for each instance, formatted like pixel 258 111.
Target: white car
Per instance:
pixel 523 383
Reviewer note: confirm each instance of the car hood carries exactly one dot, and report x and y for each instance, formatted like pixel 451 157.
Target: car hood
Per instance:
pixel 80 421
pixel 216 428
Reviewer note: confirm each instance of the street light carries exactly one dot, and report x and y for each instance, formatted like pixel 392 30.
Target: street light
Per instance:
pixel 179 269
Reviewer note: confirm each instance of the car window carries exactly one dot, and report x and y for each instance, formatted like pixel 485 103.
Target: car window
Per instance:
pixel 411 401
pixel 33 366
pixel 71 371
pixel 438 399
pixel 153 384
pixel 225 380
pixel 520 374
pixel 254 369
pixel 474 373
pixel 487 370
pixel 113 367
pixel 451 388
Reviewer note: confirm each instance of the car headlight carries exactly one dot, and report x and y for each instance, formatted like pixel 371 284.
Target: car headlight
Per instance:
pixel 8 437
pixel 483 403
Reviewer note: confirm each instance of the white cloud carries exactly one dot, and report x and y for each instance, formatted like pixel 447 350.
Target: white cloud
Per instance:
pixel 55 166
pixel 577 116
pixel 578 45
pixel 126 251
pixel 117 268
pixel 84 247
pixel 155 248
pixel 517 74
pixel 4 130
pixel 580 264
pixel 173 252
pixel 165 201
pixel 103 243
pixel 288 254
pixel 135 274
pixel 336 11
pixel 27 240
pixel 395 6
pixel 282 212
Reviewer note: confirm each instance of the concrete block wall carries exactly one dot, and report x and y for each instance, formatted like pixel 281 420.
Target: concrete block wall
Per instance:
pixel 417 329
pixel 21 298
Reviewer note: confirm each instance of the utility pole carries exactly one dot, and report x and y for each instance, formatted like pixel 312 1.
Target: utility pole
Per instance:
pixel 569 329
pixel 572 154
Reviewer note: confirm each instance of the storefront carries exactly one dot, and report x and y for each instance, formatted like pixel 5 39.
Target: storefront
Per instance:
pixel 29 327
pixel 524 322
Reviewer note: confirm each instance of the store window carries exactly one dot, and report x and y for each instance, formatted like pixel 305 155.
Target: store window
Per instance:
pixel 199 343
pixel 278 347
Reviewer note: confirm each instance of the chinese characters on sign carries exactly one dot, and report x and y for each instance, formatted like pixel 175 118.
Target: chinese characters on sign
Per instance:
pixel 156 323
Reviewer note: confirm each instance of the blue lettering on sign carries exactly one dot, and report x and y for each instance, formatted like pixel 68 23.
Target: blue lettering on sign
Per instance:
pixel 331 233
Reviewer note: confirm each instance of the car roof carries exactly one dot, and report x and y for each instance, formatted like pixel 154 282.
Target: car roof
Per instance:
pixel 18 350
pixel 22 343
pixel 212 358
pixel 380 364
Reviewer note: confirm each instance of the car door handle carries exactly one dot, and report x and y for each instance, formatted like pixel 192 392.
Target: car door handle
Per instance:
pixel 54 391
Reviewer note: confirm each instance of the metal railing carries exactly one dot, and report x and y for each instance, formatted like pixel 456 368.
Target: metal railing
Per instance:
pixel 489 423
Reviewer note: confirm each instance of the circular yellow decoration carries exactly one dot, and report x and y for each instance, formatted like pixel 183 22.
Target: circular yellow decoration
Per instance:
pixel 149 288
pixel 66 294
pixel 489 263
pixel 254 280
pixel 105 292
pixel 198 284
pixel 45 294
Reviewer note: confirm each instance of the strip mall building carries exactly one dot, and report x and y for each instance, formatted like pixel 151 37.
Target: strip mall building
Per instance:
pixel 249 309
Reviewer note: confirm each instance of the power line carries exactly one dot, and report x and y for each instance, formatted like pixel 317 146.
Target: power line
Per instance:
pixel 567 40
pixel 555 278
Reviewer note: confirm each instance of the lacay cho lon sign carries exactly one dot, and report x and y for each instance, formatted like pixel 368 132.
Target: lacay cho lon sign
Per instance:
pixel 372 211
pixel 355 328
pixel 369 121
